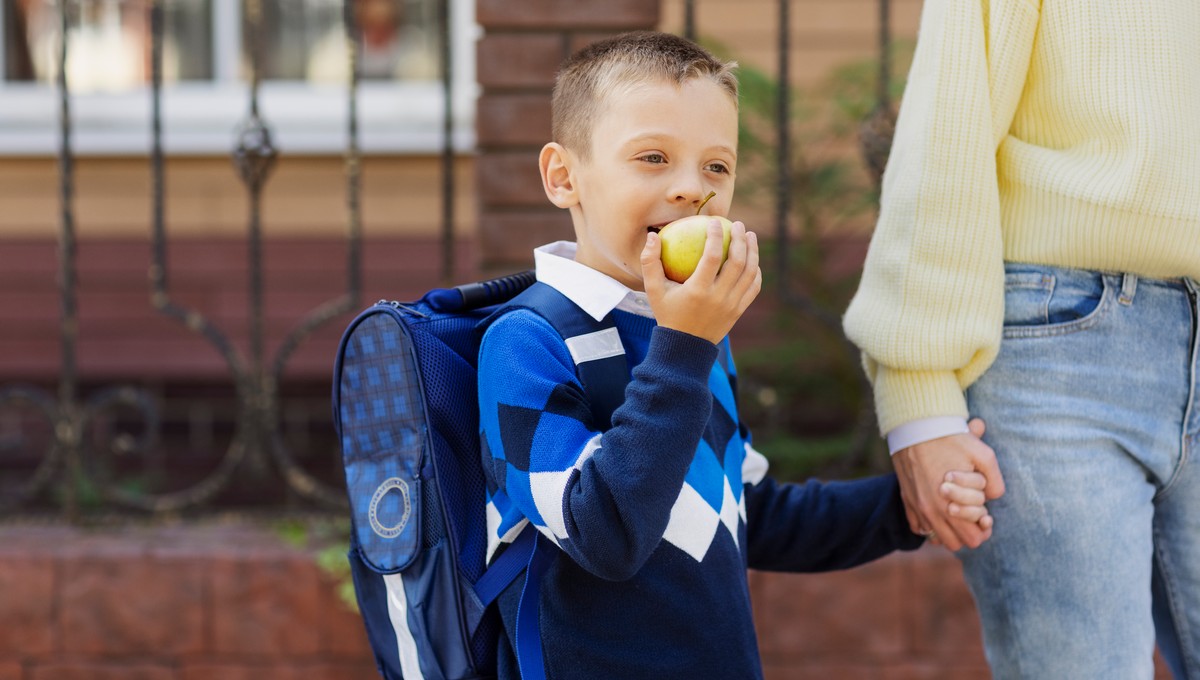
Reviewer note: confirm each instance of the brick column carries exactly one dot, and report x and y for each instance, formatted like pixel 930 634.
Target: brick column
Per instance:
pixel 523 44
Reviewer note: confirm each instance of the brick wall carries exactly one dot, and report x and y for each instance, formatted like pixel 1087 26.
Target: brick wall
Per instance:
pixel 522 46
pixel 234 602
pixel 201 603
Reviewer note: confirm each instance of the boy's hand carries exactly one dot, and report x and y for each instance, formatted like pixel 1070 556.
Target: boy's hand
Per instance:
pixel 714 297
pixel 964 493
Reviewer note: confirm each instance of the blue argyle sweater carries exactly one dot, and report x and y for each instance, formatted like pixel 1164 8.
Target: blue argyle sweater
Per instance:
pixel 657 517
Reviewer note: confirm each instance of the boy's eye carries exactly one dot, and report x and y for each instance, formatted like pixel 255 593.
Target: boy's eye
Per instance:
pixel 654 158
pixel 718 168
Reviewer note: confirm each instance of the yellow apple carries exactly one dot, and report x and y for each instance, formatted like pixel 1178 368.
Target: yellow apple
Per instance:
pixel 683 244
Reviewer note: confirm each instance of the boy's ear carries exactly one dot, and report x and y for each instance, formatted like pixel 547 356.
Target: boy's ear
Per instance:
pixel 555 165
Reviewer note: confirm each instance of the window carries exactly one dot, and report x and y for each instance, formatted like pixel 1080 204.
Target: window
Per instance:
pixel 110 43
pixel 207 57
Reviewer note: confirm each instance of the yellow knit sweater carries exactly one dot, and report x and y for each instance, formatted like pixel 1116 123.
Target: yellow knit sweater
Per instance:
pixel 1060 132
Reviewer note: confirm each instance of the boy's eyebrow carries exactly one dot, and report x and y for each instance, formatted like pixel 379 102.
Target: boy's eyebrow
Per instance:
pixel 655 136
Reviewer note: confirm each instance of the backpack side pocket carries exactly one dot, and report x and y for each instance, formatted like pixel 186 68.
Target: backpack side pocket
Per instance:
pixel 383 432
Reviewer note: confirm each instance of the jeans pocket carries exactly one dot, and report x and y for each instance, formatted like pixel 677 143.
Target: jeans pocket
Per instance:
pixel 1047 301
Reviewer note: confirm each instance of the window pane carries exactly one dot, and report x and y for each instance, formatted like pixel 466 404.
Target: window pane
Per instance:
pixel 109 42
pixel 307 41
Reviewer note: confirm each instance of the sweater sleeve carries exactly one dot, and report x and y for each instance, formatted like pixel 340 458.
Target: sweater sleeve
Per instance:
pixel 929 309
pixel 824 526
pixel 604 498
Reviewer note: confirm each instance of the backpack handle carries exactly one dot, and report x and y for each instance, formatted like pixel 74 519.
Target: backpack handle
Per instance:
pixel 480 294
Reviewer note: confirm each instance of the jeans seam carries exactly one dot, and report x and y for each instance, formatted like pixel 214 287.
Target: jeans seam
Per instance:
pixel 1184 447
pixel 1177 472
pixel 1090 321
pixel 1182 629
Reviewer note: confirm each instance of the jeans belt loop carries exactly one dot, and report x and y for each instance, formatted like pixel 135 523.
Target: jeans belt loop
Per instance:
pixel 1128 288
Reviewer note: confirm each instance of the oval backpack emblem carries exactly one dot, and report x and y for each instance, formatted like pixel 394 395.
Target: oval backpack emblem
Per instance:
pixel 373 514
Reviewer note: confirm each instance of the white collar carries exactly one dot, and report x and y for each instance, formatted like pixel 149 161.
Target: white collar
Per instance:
pixel 595 293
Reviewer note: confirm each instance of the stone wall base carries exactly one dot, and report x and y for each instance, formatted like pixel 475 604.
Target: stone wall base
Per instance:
pixel 233 602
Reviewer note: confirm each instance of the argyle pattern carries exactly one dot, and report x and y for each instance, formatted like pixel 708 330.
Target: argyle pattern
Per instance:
pixel 538 435
pixel 657 516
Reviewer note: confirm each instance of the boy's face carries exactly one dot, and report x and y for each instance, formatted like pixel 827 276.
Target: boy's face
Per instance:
pixel 657 150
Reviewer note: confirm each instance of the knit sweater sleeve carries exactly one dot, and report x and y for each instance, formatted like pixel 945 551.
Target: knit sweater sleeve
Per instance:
pixel 929 309
pixel 603 497
pixel 823 526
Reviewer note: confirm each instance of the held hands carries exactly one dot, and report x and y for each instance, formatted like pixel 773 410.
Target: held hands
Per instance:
pixel 714 297
pixel 964 496
pixel 941 500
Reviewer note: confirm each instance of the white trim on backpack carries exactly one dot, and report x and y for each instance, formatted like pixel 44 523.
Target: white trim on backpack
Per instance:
pixel 397 602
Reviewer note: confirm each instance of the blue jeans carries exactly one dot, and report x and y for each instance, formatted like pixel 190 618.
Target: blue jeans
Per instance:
pixel 1092 409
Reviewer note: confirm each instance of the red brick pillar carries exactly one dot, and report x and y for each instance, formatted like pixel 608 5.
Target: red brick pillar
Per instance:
pixel 523 44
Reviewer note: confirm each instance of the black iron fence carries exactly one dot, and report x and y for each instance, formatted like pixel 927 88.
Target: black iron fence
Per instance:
pixel 73 476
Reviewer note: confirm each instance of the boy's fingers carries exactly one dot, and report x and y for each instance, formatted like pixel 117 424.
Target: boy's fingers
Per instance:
pixel 749 254
pixel 961 494
pixel 653 278
pixel 971 480
pixel 735 263
pixel 986 522
pixel 752 274
pixel 752 290
pixel 971 513
pixel 710 260
pixel 751 250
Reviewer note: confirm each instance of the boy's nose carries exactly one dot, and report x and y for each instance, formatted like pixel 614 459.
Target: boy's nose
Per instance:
pixel 688 191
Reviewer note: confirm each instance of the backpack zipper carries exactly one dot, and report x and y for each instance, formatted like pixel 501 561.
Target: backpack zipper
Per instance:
pixel 401 307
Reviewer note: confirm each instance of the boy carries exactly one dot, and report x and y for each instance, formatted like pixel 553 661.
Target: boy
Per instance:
pixel 656 517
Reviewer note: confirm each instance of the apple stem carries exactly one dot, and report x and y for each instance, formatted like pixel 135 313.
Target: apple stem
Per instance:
pixel 701 206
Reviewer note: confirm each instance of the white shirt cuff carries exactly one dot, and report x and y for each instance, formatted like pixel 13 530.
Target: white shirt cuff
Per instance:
pixel 923 430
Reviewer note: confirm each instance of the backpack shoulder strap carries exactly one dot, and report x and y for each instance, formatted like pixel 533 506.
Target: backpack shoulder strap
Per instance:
pixel 594 345
pixel 602 369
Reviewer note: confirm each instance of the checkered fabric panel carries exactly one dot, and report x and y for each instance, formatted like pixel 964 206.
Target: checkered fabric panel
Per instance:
pixel 383 440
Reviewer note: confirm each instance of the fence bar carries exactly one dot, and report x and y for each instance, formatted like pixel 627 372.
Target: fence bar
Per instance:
pixel 66 430
pixel 353 162
pixel 783 197
pixel 255 187
pixel 297 478
pixel 883 94
pixel 193 320
pixel 444 14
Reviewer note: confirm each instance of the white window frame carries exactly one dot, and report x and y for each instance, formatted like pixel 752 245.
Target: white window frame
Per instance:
pixel 201 118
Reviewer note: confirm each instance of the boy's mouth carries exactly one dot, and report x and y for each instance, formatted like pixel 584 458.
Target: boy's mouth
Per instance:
pixel 656 227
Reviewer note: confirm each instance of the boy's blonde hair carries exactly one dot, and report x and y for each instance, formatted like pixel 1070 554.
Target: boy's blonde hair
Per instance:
pixel 603 69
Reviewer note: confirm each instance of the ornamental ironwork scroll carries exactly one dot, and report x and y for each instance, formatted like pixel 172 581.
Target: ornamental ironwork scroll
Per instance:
pixel 72 457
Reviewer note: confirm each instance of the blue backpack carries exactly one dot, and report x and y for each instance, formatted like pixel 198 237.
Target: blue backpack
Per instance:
pixel 406 411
